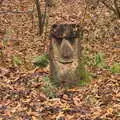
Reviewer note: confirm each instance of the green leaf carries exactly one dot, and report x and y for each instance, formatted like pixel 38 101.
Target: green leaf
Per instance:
pixel 49 89
pixel 99 60
pixel 16 61
pixel 41 61
pixel 115 68
pixel 85 76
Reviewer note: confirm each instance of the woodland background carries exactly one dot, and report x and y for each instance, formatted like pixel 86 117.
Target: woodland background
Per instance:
pixel 26 92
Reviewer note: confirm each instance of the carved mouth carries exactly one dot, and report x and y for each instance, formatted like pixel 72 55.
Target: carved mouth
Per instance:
pixel 67 61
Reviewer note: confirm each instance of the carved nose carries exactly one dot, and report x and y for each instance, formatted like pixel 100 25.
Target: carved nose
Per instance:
pixel 66 49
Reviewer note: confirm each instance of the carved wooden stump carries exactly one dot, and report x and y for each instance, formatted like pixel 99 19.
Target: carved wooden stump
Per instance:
pixel 65 51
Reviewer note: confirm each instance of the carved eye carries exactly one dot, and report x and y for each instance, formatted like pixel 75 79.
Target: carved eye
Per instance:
pixel 54 26
pixel 71 40
pixel 59 40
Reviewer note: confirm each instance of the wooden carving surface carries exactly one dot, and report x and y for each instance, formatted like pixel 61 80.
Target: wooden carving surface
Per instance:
pixel 64 52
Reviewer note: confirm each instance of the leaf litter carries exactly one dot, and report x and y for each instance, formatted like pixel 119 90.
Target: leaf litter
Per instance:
pixel 21 96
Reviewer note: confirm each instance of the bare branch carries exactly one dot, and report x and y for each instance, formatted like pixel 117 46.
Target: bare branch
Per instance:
pixel 115 9
pixel 44 15
pixel 109 7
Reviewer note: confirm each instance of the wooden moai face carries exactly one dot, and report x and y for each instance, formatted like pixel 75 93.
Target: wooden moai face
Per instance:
pixel 64 52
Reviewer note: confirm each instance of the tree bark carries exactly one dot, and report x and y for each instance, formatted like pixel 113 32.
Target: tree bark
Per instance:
pixel 39 17
pixel 117 8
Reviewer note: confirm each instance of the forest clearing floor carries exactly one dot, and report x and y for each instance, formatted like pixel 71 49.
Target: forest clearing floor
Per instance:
pixel 21 84
pixel 21 97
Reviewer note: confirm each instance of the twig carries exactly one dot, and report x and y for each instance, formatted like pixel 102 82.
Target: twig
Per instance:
pixel 110 7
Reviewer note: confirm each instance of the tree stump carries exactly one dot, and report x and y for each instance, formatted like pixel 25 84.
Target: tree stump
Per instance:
pixel 65 54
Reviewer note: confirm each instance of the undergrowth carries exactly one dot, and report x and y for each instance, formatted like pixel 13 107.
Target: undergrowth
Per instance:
pixel 49 88
pixel 115 68
pixel 41 61
pixel 98 60
pixel 84 74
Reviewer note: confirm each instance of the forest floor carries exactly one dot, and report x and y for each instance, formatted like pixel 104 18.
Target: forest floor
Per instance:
pixel 23 91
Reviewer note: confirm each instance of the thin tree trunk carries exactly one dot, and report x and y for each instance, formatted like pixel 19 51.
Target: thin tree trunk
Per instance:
pixel 39 17
pixel 1 1
pixel 117 8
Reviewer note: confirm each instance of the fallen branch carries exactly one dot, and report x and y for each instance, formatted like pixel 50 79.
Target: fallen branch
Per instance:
pixel 115 9
pixel 15 12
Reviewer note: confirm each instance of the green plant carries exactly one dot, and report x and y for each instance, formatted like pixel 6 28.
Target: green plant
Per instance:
pixel 16 61
pixel 84 75
pixel 99 60
pixel 41 61
pixel 115 68
pixel 49 89
pixel 7 37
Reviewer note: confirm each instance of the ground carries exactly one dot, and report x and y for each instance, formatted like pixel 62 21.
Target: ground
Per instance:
pixel 22 96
